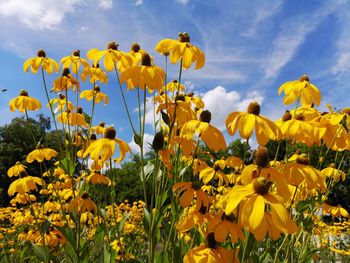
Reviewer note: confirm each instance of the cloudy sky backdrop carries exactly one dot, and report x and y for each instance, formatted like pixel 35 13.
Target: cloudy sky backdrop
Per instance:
pixel 251 47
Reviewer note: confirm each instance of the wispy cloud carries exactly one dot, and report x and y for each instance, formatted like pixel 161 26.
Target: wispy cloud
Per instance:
pixel 38 14
pixel 292 35
pixel 105 4
pixel 184 2
pixel 342 64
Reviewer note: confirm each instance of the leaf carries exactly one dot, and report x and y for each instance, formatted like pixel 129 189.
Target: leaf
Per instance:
pixel 67 165
pixel 41 252
pixel 122 222
pixel 87 117
pixel 146 220
pixel 69 235
pixel 137 139
pixel 165 118
pixel 45 226
pixel 304 205
pixel 148 169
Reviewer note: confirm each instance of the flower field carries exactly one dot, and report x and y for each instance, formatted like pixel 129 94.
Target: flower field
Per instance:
pixel 272 204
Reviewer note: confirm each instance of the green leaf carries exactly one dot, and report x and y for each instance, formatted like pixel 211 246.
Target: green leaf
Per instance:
pixel 45 226
pixel 146 220
pixel 137 139
pixel 122 222
pixel 106 255
pixel 148 169
pixel 165 118
pixel 87 117
pixel 69 235
pixel 67 165
pixel 41 252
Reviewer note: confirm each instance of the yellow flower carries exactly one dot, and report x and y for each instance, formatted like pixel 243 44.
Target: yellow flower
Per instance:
pixel 81 204
pixel 208 133
pixel 23 199
pixel 41 154
pixel 95 73
pixel 103 149
pixel 65 82
pixel 208 173
pixel 211 253
pixel 144 75
pixel 303 89
pixel 99 129
pixel 334 173
pixel 111 56
pixel 182 49
pixel 24 185
pixel 136 53
pixel 24 102
pixel 98 178
pixel 94 94
pixel 335 211
pixel 174 86
pixel 48 64
pixel 299 172
pixel 73 118
pixel 61 103
pixel 16 170
pixel 247 122
pixel 74 60
pixel 253 199
pixel 223 225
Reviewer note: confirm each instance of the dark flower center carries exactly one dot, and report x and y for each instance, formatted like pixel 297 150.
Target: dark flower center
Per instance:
pixel 101 124
pixel 110 133
pixel 65 72
pixel 23 92
pixel 135 47
pixel 85 195
pixel 184 37
pixel 303 159
pixel 211 242
pixel 93 137
pixel 41 53
pixel 76 53
pixel 299 117
pixel 158 141
pixel 112 45
pixel 261 157
pixel 61 96
pixel 205 116
pixel 254 108
pixel 180 97
pixel 97 88
pixel 80 110
pixel 262 185
pixel 304 78
pixel 146 60
pixel 287 116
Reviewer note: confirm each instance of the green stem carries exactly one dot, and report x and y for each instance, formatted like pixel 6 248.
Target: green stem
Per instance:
pixel 47 97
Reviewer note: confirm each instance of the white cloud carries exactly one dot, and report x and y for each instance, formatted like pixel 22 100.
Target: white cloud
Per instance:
pixel 148 139
pixel 21 51
pixel 138 2
pixel 221 102
pixel 38 14
pixel 105 4
pixel 292 35
pixel 184 2
pixel 83 28
pixel 342 64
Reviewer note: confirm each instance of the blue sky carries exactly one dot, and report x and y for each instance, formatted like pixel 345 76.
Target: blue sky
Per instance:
pixel 251 47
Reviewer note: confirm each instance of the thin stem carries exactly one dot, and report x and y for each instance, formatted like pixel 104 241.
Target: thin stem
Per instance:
pixel 47 96
pixel 122 92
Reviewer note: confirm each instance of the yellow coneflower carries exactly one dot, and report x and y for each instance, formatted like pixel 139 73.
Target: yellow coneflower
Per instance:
pixel 94 93
pixel 40 154
pixel 24 102
pixel 48 64
pixel 265 129
pixel 182 49
pixel 303 89
pixel 75 61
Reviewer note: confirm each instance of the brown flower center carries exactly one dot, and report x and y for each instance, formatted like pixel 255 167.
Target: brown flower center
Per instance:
pixel 261 157
pixel 102 124
pixel 23 92
pixel 110 133
pixel 304 78
pixel 80 110
pixel 65 72
pixel 76 53
pixel 299 117
pixel 85 195
pixel 112 45
pixel 303 159
pixel 287 116
pixel 97 88
pixel 61 96
pixel 254 108
pixel 205 116
pixel 146 60
pixel 180 97
pixel 93 137
pixel 346 111
pixel 158 141
pixel 211 242
pixel 135 47
pixel 184 37
pixel 41 53
pixel 262 185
